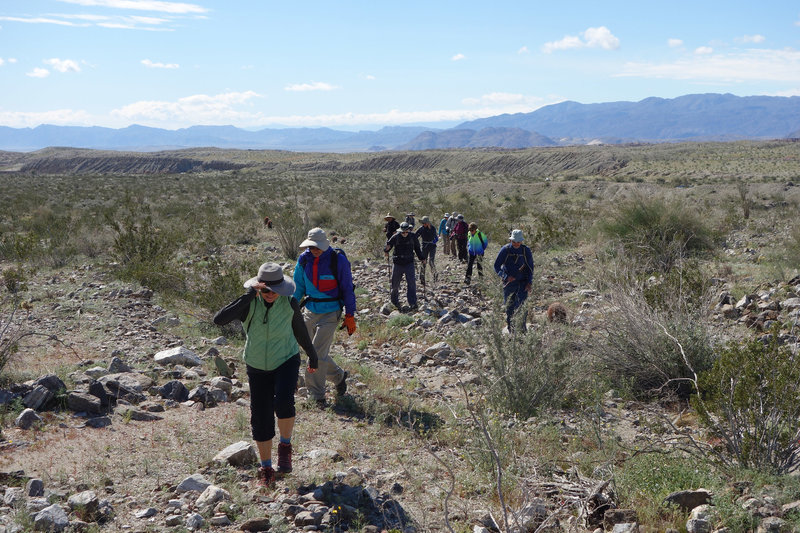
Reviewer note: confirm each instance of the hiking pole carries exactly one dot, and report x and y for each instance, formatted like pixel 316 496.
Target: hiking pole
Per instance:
pixel 422 279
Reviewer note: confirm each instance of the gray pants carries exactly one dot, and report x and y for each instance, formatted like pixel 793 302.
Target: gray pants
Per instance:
pixel 321 329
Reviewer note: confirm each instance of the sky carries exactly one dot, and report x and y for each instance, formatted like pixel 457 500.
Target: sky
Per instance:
pixel 362 65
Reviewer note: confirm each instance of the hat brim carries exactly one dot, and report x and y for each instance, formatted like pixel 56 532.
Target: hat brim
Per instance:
pixel 284 288
pixel 321 245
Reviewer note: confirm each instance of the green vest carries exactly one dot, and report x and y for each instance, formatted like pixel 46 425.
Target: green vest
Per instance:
pixel 270 338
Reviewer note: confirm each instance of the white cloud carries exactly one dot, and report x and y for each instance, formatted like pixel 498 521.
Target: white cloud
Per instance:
pixel 150 64
pixel 600 37
pixel 753 39
pixel 495 98
pixel 38 73
pixel 458 57
pixel 703 50
pixel 748 65
pixel 674 43
pixel 40 20
pixel 20 119
pixel 63 65
pixel 2 61
pixel 788 92
pixel 369 77
pixel 523 50
pixel 195 109
pixel 143 5
pixel 313 86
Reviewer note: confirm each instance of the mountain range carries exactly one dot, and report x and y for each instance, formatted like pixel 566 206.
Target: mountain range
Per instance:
pixel 695 117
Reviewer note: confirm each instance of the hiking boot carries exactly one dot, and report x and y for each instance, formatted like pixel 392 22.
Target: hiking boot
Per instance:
pixel 466 281
pixel 284 457
pixel 266 476
pixel 341 387
pixel 321 403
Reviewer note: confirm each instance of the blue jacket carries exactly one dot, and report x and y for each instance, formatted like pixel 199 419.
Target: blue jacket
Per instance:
pixel 476 244
pixel 443 227
pixel 323 285
pixel 516 262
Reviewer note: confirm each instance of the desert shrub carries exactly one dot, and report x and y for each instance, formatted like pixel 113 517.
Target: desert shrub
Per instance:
pixel 657 232
pixel 638 348
pixel 142 249
pixel 750 401
pixel 643 482
pixel 292 228
pixel 215 283
pixel 528 371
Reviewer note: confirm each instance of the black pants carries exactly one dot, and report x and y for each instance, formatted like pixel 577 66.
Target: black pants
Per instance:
pixel 271 391
pixel 461 245
pixel 474 260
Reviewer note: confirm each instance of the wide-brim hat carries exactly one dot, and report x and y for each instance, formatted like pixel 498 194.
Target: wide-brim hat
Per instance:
pixel 272 276
pixel 388 216
pixel 516 236
pixel 460 217
pixel 425 220
pixel 447 215
pixel 316 238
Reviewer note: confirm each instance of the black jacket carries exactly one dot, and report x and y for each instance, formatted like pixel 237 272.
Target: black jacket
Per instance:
pixel 390 227
pixel 404 248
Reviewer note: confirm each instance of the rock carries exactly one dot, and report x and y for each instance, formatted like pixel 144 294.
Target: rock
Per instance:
pixel 139 416
pixel 118 366
pixel 688 499
pixel 51 519
pixel 174 390
pixel 791 304
pixel 773 524
pixel 194 482
pixel 27 418
pixel 219 520
pixel 34 487
pixel 96 372
pixel 85 505
pixel 99 422
pixel 146 513
pixel 322 454
pixel 700 520
pixel 194 521
pixel 256 524
pixel 211 495
pixel 238 454
pixel 38 398
pixel 613 517
pixel 180 355
pixel 626 527
pixel 14 497
pixel 51 382
pixel 127 385
pixel 82 402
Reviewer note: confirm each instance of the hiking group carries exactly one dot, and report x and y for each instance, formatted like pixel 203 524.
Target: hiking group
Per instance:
pixel 280 314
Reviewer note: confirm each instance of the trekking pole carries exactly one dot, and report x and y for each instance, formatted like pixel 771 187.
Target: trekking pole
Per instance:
pixel 422 278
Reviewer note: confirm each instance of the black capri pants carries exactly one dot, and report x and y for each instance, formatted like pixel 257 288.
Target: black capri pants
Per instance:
pixel 272 391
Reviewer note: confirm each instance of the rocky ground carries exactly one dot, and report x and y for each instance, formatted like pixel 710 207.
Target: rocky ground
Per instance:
pixel 154 436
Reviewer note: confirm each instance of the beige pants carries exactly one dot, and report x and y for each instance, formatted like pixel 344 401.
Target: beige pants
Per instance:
pixel 322 328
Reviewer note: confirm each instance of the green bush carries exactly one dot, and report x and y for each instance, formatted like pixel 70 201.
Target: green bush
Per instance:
pixel 637 348
pixel 528 372
pixel 657 232
pixel 750 402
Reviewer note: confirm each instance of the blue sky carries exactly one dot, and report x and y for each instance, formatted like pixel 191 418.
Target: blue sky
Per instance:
pixel 363 65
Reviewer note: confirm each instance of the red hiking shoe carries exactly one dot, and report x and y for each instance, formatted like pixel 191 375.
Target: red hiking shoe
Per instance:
pixel 284 458
pixel 266 476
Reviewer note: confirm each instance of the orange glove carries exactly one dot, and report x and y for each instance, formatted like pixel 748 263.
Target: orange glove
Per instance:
pixel 349 323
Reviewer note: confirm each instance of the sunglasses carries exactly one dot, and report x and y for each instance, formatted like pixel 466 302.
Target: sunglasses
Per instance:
pixel 313 248
pixel 265 291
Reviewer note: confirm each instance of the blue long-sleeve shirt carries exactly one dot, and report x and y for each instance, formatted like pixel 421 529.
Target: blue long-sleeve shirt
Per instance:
pixel 516 262
pixel 313 277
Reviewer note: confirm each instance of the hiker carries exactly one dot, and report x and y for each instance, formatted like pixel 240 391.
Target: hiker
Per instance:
pixel 476 246
pixel 273 326
pixel 391 226
pixel 514 265
pixel 427 237
pixel 324 285
pixel 410 219
pixel 450 242
pixel 443 233
pixel 405 245
pixel 459 234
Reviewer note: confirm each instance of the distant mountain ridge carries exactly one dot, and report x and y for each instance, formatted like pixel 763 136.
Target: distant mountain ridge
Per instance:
pixel 690 117
pixel 694 117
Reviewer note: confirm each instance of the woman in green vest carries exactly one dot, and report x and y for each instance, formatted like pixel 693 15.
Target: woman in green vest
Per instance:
pixel 274 326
